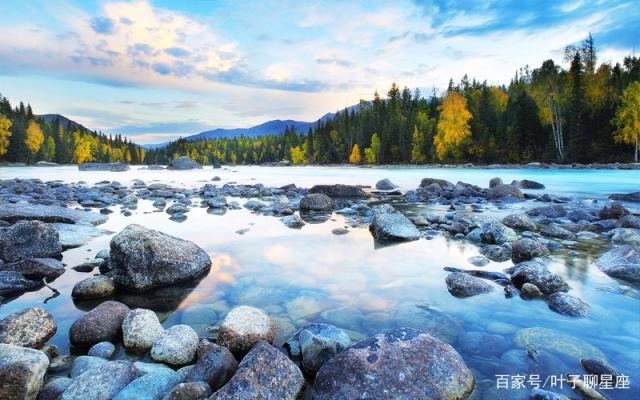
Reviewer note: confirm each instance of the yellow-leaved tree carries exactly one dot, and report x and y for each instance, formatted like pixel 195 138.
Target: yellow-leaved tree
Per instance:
pixel 297 155
pixel 5 134
pixel 82 152
pixel 627 118
pixel 355 157
pixel 34 137
pixel 453 126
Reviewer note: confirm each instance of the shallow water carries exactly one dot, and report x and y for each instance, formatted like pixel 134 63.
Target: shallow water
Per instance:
pixel 311 275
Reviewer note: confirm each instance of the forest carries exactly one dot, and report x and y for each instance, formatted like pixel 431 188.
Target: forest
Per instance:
pixel 589 112
pixel 26 138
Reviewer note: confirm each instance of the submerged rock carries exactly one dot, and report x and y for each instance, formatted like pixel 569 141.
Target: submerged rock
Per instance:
pixel 555 341
pixel 463 285
pixel 243 327
pixel 538 275
pixel 293 221
pixel 21 372
pixel 566 304
pixel 93 287
pixel 143 259
pixel 264 373
pixel 176 346
pixel 103 323
pixel 113 167
pixel 339 191
pixel 28 328
pixel 183 163
pixel 388 224
pixel 29 239
pixel 621 262
pixel 401 363
pixel 103 383
pixel 314 344
pixel 21 211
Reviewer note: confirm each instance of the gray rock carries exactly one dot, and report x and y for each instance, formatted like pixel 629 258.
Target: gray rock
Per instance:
pixel 13 283
pixel 463 285
pixel 500 191
pixel 629 221
pixel 216 202
pixel 89 266
pixel 143 259
pixel 616 211
pixel 176 346
pixel 36 268
pixel 140 330
pixel 557 232
pixel 339 191
pixel 530 291
pixel 554 211
pixel 176 208
pixel 580 215
pixel 568 305
pixel 316 202
pixel 83 364
pixel 103 323
pixel 479 261
pixel 538 274
pixel 183 163
pixel 78 234
pixel 497 181
pixel 254 205
pixel 264 373
pixel 314 344
pixel 496 253
pixel 621 262
pixel 631 197
pixel 12 213
pixel 527 184
pixel 148 367
pixel 293 221
pixel 54 388
pixel 93 287
pixel 340 231
pixel 527 249
pixel 189 391
pixel 29 239
pixel 385 184
pixel 555 341
pixel 215 367
pixel 625 236
pixel 388 224
pixel 401 363
pixel 497 233
pixel 152 386
pixel 103 350
pixel 28 328
pixel 444 184
pixel 103 383
pixel 541 394
pixel 520 222
pixel 243 327
pixel 113 167
pixel 597 366
pixel 21 372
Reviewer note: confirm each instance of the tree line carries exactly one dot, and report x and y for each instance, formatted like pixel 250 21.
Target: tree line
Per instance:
pixel 588 112
pixel 26 138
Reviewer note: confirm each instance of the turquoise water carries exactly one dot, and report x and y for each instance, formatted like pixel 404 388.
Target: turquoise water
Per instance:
pixel 311 275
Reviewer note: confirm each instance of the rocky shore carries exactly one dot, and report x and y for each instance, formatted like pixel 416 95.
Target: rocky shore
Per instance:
pixel 240 357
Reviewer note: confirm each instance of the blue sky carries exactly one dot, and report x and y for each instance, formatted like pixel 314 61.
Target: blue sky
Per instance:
pixel 156 70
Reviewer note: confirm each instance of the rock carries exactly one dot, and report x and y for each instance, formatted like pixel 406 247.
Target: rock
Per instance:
pixel 557 232
pixel 183 163
pixel 93 287
pixel 504 191
pixel 541 394
pixel 526 249
pixel 316 202
pixel 89 266
pixel 527 184
pixel 339 191
pixel 314 344
pixel 215 367
pixel 140 330
pixel 46 164
pixel 176 346
pixel 36 268
pixel 176 208
pixel 21 211
pixel 497 233
pixel 78 234
pixel 388 224
pixel 463 285
pixel 113 167
pixel 189 391
pixel 629 221
pixel 243 327
pixel 29 239
pixel 340 231
pixel 143 259
pixel 538 275
pixel 530 291
pixel 13 283
pixel 520 222
pixel 568 305
pixel 444 184
pixel 625 236
pixel 28 328
pixel 21 372
pixel 496 253
pixel 554 211
pixel 103 383
pixel 495 182
pixel 621 262
pixel 385 184
pixel 616 211
pixel 152 386
pixel 586 390
pixel 479 261
pixel 597 366
pixel 401 363
pixel 148 367
pixel 293 221
pixel 217 202
pixel 103 323
pixel 481 343
pixel 551 340
pixel 580 215
pixel 83 364
pixel 264 373
pixel 631 197
pixel 103 350
pixel 54 388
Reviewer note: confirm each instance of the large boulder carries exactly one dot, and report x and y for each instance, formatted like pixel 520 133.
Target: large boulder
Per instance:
pixel 140 330
pixel 339 191
pixel 264 373
pixel 183 163
pixel 12 213
pixel 176 346
pixel 29 239
pixel 143 259
pixel 500 191
pixel 36 268
pixel 93 287
pixel 13 283
pixel 114 167
pixel 314 344
pixel 520 222
pixel 464 285
pixel 497 233
pixel 21 372
pixel 103 323
pixel 316 202
pixel 215 367
pixel 103 383
pixel 151 386
pixel 621 262
pixel 526 249
pixel 28 328
pixel 537 274
pixel 632 197
pixel 444 184
pixel 243 327
pixel 388 224
pixel 528 184
pixel 402 363
pixel 385 184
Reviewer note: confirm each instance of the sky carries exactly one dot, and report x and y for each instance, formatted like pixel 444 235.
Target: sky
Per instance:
pixel 157 70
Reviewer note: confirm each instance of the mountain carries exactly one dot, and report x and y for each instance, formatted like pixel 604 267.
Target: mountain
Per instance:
pixel 64 121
